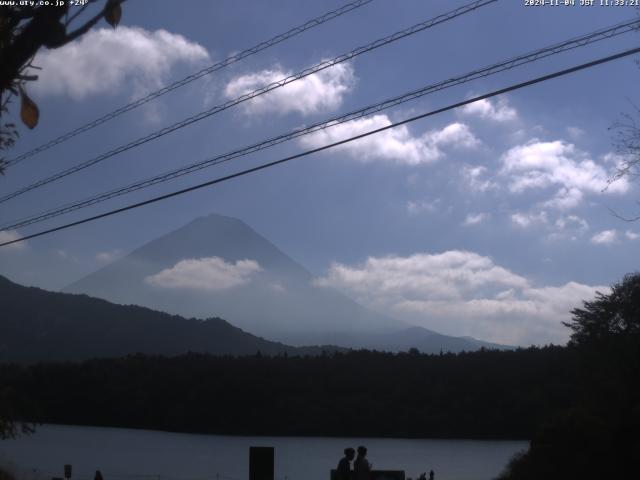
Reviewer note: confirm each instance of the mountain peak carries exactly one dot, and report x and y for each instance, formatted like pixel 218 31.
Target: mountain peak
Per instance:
pixel 218 265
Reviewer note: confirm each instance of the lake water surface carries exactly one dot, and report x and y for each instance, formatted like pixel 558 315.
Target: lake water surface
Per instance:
pixel 123 454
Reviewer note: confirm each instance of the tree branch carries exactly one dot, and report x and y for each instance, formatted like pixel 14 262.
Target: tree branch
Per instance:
pixel 620 217
pixel 90 23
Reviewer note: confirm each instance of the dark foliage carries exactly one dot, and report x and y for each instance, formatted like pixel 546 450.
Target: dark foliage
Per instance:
pixel 612 316
pixel 627 144
pixel 25 28
pixel 598 436
pixel 485 394
pixel 15 408
pixel 6 475
pixel 8 132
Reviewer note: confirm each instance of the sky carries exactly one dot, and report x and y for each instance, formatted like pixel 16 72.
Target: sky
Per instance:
pixel 493 220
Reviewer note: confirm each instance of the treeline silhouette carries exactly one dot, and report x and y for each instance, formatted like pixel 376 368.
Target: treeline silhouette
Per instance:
pixel 598 435
pixel 484 394
pixel 579 404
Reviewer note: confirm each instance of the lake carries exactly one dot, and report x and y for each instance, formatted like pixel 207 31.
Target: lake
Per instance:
pixel 124 454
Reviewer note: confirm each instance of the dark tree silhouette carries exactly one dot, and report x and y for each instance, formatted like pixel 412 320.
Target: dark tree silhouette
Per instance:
pixel 12 414
pixel 597 437
pixel 627 145
pixel 25 29
pixel 608 316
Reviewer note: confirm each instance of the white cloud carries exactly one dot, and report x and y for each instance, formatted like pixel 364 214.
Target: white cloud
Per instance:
pixel 320 92
pixel 475 179
pixel 394 145
pixel 564 227
pixel 571 221
pixel 447 275
pixel 631 235
pixel 455 135
pixel 462 293
pixel 475 218
pixel 107 60
pixel 575 133
pixel 569 227
pixel 9 236
pixel 605 237
pixel 565 199
pixel 542 165
pixel 208 274
pixel 108 257
pixel 525 220
pixel 615 159
pixel 419 206
pixel 500 112
pixel 277 287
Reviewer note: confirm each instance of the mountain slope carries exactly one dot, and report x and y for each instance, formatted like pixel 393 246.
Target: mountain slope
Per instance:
pixel 37 325
pixel 219 266
pixel 279 302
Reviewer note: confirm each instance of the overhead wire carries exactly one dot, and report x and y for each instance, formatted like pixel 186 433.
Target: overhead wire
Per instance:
pixel 470 7
pixel 215 181
pixel 190 78
pixel 586 39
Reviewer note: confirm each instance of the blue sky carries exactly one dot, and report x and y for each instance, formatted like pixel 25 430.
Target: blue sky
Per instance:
pixel 487 221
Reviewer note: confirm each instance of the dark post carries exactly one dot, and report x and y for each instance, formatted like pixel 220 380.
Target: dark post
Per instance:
pixel 67 471
pixel 261 463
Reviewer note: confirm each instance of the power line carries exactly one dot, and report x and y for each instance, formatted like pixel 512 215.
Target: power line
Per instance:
pixel 520 60
pixel 332 145
pixel 261 91
pixel 190 78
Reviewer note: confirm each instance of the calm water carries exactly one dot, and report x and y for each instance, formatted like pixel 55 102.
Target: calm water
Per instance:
pixel 123 454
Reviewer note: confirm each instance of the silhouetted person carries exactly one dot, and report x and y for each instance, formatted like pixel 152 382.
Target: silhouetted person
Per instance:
pixel 98 475
pixel 431 475
pixel 423 476
pixel 361 466
pixel 344 465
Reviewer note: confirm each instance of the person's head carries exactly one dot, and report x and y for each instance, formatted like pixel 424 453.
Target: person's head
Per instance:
pixel 349 453
pixel 362 451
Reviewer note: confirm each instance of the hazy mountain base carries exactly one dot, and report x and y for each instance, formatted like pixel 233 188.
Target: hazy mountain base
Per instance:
pixel 37 325
pixel 280 303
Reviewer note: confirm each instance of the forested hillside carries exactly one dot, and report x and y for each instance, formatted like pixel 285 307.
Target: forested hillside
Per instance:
pixel 486 394
pixel 37 325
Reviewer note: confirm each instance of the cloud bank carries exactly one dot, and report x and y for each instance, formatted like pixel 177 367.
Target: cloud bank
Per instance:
pixel 320 92
pixel 9 236
pixel 498 112
pixel 396 145
pixel 107 61
pixel 462 293
pixel 205 274
pixel 557 165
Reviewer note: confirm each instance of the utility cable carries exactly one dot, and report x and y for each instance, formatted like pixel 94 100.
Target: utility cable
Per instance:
pixel 261 91
pixel 520 60
pixel 190 78
pixel 511 88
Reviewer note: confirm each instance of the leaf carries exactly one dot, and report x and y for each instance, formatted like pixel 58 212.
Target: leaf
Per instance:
pixel 29 112
pixel 113 13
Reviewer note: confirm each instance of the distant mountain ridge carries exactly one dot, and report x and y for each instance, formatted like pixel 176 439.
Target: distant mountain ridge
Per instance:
pixel 280 302
pixel 277 301
pixel 37 325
